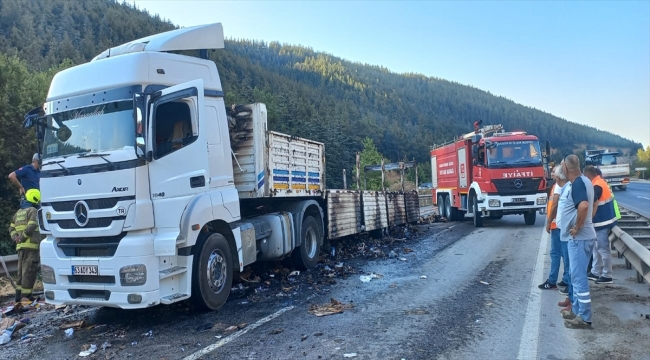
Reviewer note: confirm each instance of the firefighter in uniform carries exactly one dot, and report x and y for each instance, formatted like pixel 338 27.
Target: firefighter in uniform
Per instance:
pixel 25 233
pixel 604 218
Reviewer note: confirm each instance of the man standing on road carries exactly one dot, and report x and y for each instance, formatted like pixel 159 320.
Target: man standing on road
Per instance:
pixel 552 217
pixel 564 204
pixel 25 233
pixel 576 224
pixel 26 178
pixel 604 218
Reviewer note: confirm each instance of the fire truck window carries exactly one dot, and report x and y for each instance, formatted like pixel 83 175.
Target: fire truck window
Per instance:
pixel 173 128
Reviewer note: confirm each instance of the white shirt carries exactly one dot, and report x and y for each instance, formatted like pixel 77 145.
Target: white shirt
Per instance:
pixel 558 190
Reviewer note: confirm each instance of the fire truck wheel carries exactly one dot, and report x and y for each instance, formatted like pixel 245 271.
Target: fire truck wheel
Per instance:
pixel 478 220
pixel 441 206
pixel 212 272
pixel 449 211
pixel 530 217
pixel 306 255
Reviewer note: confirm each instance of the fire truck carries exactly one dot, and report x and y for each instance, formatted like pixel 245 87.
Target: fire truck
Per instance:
pixel 489 173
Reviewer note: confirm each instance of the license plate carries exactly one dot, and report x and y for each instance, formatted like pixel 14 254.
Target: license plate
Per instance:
pixel 85 270
pixel 518 199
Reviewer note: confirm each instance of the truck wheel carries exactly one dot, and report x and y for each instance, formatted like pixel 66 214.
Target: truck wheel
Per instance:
pixel 449 211
pixel 306 255
pixel 212 272
pixel 441 206
pixel 478 220
pixel 530 217
pixel 622 187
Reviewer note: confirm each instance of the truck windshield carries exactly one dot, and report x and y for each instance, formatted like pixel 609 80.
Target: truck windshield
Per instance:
pixel 94 128
pixel 520 153
pixel 608 160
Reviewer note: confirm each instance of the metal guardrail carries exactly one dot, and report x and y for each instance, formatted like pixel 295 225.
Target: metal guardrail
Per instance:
pixel 11 261
pixel 425 200
pixel 631 239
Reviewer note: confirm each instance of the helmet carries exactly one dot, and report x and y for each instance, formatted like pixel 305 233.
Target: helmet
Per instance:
pixel 33 196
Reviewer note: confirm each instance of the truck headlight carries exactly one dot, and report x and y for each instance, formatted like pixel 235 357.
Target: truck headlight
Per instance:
pixel 47 274
pixel 541 200
pixel 133 275
pixel 494 203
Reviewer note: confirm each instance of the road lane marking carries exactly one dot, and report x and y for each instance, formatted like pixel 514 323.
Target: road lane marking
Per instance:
pixel 224 341
pixel 643 197
pixel 530 332
pixel 258 323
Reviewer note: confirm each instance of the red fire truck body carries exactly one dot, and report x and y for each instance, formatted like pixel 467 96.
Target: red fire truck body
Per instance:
pixel 490 176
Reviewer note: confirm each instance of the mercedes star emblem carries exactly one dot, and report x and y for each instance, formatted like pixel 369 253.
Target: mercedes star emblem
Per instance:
pixel 518 183
pixel 81 213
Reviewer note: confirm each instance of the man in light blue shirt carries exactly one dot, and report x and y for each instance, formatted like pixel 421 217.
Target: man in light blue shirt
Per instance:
pixel 577 227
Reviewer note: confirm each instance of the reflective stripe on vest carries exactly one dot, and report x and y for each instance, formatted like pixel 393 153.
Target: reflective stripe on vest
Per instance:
pixel 605 214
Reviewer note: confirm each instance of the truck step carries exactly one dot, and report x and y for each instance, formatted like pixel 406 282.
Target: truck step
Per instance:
pixel 174 270
pixel 170 299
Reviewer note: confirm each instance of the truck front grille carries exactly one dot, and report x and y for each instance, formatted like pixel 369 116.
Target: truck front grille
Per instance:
pixel 67 224
pixel 93 204
pixel 90 247
pixel 103 295
pixel 517 186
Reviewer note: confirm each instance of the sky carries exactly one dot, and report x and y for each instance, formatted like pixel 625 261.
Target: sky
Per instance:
pixel 584 61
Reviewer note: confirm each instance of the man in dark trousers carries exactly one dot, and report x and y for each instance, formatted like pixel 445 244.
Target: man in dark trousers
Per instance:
pixel 25 233
pixel 26 178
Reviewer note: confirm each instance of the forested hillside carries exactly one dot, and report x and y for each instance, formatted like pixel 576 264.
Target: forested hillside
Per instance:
pixel 308 94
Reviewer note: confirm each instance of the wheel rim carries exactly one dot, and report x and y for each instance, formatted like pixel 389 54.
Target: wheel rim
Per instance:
pixel 311 243
pixel 216 271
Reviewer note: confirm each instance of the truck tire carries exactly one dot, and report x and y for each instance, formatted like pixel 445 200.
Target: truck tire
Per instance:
pixel 212 272
pixel 449 211
pixel 441 206
pixel 622 187
pixel 478 220
pixel 306 255
pixel 530 217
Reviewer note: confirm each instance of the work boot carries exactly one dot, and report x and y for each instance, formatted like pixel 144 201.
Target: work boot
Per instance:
pixel 568 315
pixel 18 297
pixel 564 303
pixel 577 323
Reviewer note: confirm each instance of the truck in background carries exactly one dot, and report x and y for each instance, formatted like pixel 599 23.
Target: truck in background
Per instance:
pixel 617 175
pixel 154 191
pixel 489 176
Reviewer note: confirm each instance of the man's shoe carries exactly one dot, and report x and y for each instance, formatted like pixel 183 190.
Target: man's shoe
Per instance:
pixel 569 315
pixel 564 303
pixel 577 323
pixel 604 280
pixel 547 286
pixel 592 276
pixel 564 291
pixel 562 283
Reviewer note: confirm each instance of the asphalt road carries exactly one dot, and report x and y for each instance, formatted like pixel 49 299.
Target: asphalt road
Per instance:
pixel 635 198
pixel 479 300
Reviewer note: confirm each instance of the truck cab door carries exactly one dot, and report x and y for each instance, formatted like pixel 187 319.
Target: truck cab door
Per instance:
pixel 177 146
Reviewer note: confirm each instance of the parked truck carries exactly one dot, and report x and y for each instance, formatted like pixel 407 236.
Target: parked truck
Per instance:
pixel 489 175
pixel 616 174
pixel 154 191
